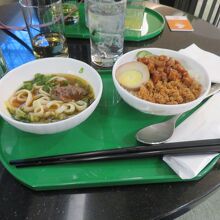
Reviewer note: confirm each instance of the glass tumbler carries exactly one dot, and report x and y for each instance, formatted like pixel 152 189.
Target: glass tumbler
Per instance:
pixel 106 27
pixel 45 25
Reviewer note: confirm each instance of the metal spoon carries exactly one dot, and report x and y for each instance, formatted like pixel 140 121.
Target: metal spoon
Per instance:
pixel 161 132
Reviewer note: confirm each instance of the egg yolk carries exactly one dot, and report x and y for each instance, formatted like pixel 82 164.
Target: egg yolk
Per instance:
pixel 130 78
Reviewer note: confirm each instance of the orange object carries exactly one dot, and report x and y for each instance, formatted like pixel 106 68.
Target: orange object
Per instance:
pixel 179 23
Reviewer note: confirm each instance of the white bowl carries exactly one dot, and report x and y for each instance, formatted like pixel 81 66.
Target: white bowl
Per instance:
pixel 14 79
pixel 194 68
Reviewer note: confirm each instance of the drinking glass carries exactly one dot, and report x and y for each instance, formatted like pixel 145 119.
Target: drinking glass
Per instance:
pixel 86 7
pixel 106 26
pixel 45 25
pixel 70 12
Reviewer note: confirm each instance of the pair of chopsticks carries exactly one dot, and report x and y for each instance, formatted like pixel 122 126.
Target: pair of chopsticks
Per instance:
pixel 189 147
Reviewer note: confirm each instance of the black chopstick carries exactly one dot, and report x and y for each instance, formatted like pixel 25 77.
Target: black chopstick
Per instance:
pixel 203 146
pixel 136 155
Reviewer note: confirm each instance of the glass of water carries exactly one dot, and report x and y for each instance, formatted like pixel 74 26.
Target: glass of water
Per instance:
pixel 86 8
pixel 106 26
pixel 45 24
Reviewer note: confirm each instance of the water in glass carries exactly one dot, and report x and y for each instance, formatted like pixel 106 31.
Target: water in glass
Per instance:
pixel 106 25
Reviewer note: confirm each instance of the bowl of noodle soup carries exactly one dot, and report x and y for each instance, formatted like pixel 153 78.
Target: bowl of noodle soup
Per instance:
pixel 49 95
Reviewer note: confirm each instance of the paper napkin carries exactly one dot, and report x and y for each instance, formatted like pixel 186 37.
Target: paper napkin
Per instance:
pixel 209 61
pixel 202 124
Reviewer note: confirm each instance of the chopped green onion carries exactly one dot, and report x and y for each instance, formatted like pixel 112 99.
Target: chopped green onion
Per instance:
pixel 81 70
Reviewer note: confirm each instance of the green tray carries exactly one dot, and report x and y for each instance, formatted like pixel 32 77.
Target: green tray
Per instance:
pixel 112 125
pixel 153 24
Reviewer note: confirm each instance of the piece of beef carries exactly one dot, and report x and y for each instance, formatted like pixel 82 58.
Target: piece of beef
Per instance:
pixel 68 93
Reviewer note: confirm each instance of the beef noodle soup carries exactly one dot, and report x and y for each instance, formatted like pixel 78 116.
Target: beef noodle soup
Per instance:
pixel 49 98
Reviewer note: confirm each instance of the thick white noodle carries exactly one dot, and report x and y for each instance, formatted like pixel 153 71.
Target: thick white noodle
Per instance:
pixel 57 78
pixel 24 95
pixel 61 109
pixel 70 108
pixel 38 108
pixel 55 104
pixel 80 105
pixel 44 100
pixel 10 103
pixel 38 96
pixel 27 108
pixel 41 91
pixel 48 114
